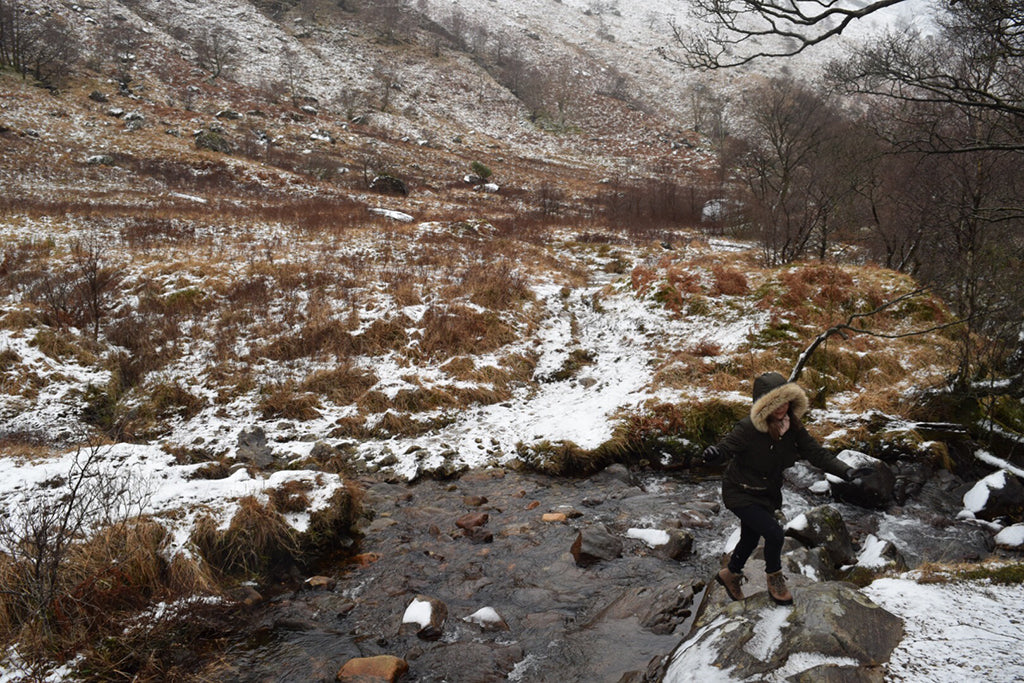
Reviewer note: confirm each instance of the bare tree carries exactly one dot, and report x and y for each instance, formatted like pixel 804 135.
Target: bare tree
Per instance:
pixel 216 52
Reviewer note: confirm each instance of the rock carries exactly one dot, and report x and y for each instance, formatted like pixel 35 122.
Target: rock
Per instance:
pixel 97 96
pixel 823 527
pixel 474 501
pixel 426 616
pixel 999 495
pixel 814 563
pixel 389 184
pixel 876 487
pixel 246 595
pixel 595 544
pixel 472 520
pixel 479 535
pixel 228 114
pixel 213 141
pixel 252 447
pixel 679 546
pixel 754 639
pixel 554 517
pixel 372 669
pixel 100 160
pixel 325 583
pixel 488 619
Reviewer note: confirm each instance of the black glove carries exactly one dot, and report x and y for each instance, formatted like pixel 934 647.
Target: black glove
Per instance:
pixel 855 475
pixel 712 456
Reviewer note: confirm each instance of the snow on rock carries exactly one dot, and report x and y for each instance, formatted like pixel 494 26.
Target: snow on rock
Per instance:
pixel 652 537
pixel 418 612
pixel 393 215
pixel 960 631
pixel 976 499
pixel 1011 538
pixel 488 619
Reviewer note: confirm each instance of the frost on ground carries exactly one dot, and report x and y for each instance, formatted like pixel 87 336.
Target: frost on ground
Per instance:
pixel 961 631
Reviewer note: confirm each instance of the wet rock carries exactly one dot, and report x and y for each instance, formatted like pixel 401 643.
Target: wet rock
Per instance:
pixel 679 546
pixel 475 661
pixel 823 527
pixel 595 544
pixel 320 583
pixel 554 517
pixel 474 501
pixel 814 563
pixel 615 474
pixel 660 609
pixel 875 485
pixel 472 520
pixel 252 447
pixel 999 495
pixel 488 619
pixel 755 638
pixel 246 595
pixel 373 669
pixel 425 616
pixel 479 535
pixel 569 511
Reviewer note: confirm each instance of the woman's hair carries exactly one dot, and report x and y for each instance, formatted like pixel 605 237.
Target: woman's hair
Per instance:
pixel 775 429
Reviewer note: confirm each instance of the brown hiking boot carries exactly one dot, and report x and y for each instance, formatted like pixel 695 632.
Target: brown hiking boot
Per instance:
pixel 777 588
pixel 731 582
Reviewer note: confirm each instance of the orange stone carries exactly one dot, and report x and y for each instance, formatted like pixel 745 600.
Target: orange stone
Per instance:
pixel 554 517
pixel 382 668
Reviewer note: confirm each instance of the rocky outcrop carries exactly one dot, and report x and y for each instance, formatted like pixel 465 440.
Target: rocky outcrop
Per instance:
pixel 832 632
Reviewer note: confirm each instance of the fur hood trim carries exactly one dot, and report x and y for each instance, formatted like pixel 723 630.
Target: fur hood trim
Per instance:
pixel 768 403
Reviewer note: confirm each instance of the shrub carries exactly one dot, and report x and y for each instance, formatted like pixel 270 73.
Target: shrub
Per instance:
pixel 480 170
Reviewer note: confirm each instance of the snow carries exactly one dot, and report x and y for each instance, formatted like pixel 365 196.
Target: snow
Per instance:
pixel 485 616
pixel 768 631
pixel 870 555
pixel 1011 537
pixel 976 499
pixel 418 612
pixel 652 537
pixel 400 216
pixel 954 632
pixel 798 523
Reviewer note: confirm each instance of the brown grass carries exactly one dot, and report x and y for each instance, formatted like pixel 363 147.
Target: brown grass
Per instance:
pixel 342 385
pixel 729 281
pixel 286 401
pixel 257 541
pixel 457 330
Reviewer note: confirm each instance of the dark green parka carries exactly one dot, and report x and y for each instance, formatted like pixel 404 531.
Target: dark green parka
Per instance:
pixel 756 462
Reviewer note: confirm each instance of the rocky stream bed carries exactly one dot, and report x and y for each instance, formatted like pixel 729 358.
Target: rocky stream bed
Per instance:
pixel 506 575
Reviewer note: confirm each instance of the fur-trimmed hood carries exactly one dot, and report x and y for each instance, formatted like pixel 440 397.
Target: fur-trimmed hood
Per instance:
pixel 771 390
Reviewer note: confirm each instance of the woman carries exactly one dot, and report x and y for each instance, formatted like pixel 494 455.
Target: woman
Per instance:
pixel 758 449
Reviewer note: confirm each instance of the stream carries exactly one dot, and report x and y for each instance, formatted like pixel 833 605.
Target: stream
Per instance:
pixel 562 622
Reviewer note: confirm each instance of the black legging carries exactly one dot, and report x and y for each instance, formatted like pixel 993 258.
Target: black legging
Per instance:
pixel 757 521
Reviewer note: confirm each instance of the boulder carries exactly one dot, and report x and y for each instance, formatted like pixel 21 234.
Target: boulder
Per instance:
pixel 389 184
pixel 830 626
pixel 875 482
pixel 425 616
pixel 824 527
pixel 999 495
pixel 472 520
pixel 595 544
pixel 383 668
pixel 252 447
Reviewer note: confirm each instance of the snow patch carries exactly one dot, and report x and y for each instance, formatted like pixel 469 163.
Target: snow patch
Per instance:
pixel 652 537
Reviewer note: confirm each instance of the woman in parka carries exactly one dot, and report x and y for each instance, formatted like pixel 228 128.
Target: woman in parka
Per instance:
pixel 758 449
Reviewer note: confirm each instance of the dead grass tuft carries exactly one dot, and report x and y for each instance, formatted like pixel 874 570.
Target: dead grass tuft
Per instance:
pixel 729 281
pixel 291 496
pixel 457 330
pixel 342 385
pixel 256 542
pixel 285 401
